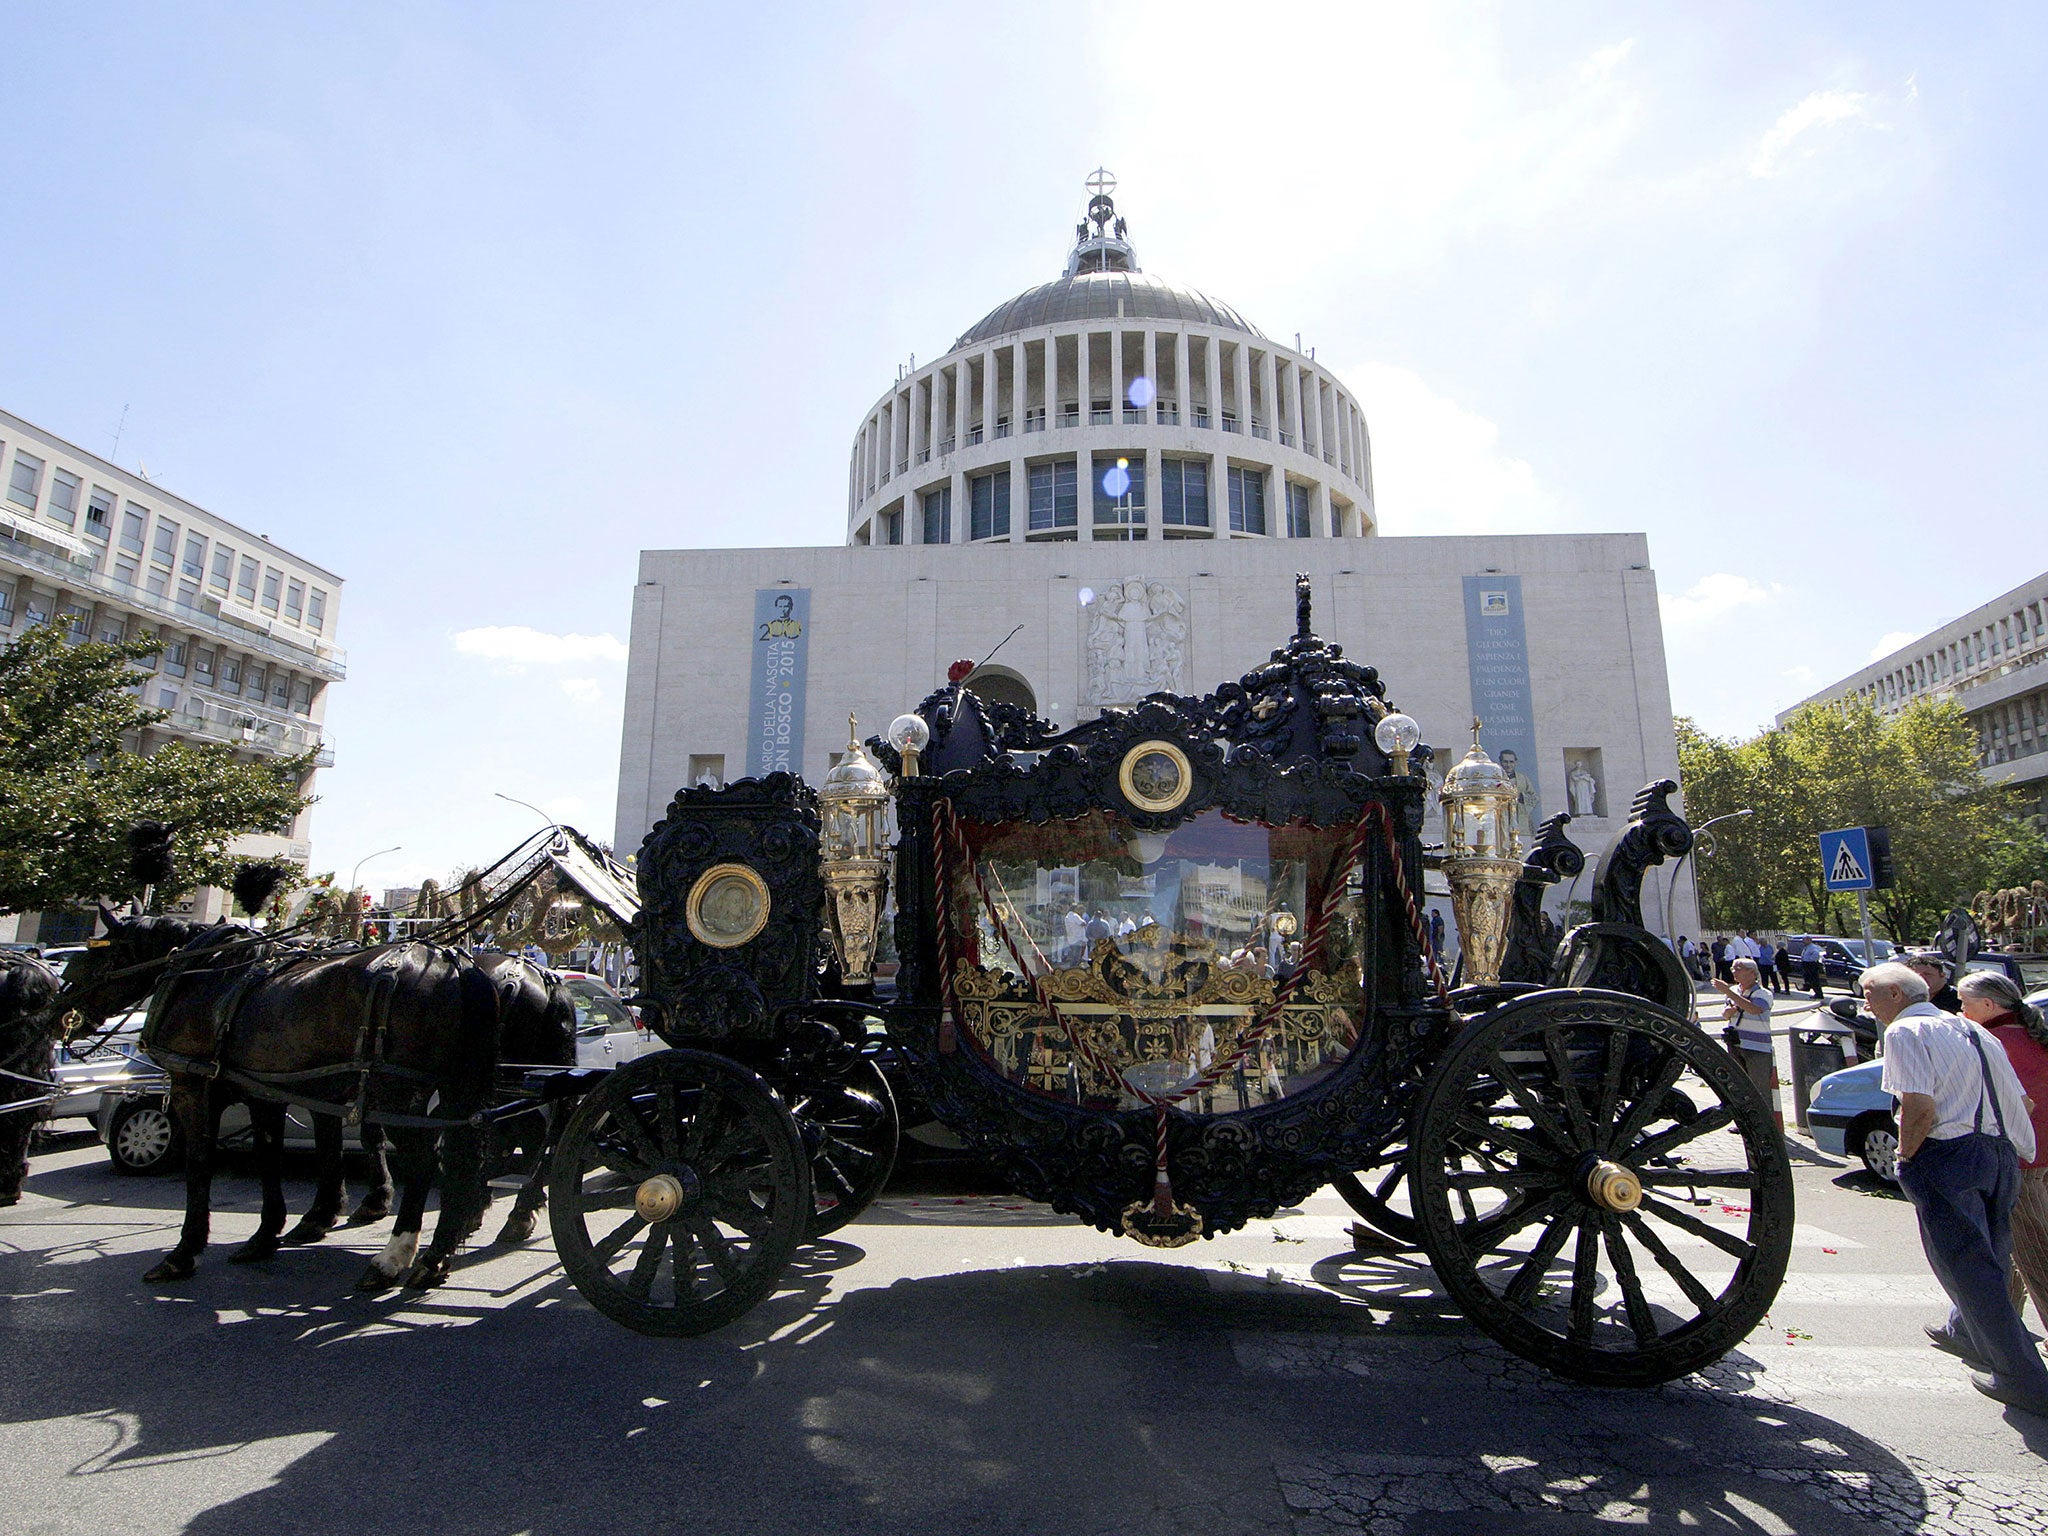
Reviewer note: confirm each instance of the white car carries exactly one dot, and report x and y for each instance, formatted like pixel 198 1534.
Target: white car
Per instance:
pixel 608 1034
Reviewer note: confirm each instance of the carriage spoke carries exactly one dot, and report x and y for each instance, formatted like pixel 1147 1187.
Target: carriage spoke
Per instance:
pixel 1395 1174
pixel 723 1259
pixel 614 1197
pixel 1668 1261
pixel 1504 1178
pixel 620 1236
pixel 683 1263
pixel 634 1130
pixel 641 1281
pixel 710 1110
pixel 1719 1178
pixel 1508 1223
pixel 1585 1279
pixel 1610 1082
pixel 1647 1101
pixel 1533 1107
pixel 1567 1089
pixel 1486 1130
pixel 1685 1221
pixel 1537 1265
pixel 667 1118
pixel 744 1214
pixel 841 1185
pixel 1679 1135
pixel 1640 1317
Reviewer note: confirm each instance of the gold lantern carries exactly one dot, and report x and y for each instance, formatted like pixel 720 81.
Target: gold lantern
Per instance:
pixel 1482 857
pixel 854 803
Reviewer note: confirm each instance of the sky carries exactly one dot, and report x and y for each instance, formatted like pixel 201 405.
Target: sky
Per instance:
pixel 470 304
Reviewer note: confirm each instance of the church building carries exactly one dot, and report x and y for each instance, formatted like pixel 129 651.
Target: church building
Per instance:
pixel 1105 488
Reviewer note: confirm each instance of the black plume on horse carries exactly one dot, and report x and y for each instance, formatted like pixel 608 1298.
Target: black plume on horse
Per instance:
pixel 149 852
pixel 28 1027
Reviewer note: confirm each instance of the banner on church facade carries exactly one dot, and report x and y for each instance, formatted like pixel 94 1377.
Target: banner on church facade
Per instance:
pixel 775 720
pixel 1497 657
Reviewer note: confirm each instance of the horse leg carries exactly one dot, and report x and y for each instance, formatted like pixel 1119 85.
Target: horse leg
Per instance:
pixel 266 1126
pixel 413 1152
pixel 533 1193
pixel 332 1190
pixel 464 1195
pixel 196 1106
pixel 377 1198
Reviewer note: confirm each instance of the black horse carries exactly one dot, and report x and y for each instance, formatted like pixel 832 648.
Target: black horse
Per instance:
pixel 28 1028
pixel 388 1031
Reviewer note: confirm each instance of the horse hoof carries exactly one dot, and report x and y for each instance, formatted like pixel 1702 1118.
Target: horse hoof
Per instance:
pixel 426 1274
pixel 171 1268
pixel 366 1213
pixel 254 1251
pixel 518 1228
pixel 374 1280
pixel 308 1231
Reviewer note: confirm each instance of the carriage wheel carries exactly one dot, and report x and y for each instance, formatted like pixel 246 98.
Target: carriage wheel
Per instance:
pixel 678 1192
pixel 1380 1197
pixel 1600 1188
pixel 850 1127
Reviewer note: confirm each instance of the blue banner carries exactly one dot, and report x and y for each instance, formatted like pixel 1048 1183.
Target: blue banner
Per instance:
pixel 775 717
pixel 1497 657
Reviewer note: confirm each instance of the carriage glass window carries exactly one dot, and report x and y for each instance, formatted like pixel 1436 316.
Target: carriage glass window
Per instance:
pixel 1175 958
pixel 22 483
pixel 64 487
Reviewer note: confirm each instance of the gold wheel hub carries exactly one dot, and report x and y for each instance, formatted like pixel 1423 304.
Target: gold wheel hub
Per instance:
pixel 658 1197
pixel 1612 1187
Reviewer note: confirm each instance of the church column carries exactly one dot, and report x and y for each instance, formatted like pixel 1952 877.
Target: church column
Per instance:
pixel 1243 374
pixel 1051 378
pixel 1116 376
pixel 989 391
pixel 1155 500
pixel 963 395
pixel 1087 385
pixel 1212 380
pixel 1184 403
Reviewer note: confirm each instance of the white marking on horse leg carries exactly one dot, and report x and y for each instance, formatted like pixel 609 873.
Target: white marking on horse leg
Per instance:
pixel 397 1256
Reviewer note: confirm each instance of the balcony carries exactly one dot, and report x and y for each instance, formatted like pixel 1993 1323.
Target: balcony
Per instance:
pixel 974 437
pixel 1100 417
pixel 1230 424
pixel 327 660
pixel 946 445
pixel 1167 413
pixel 1286 439
pixel 247 726
pixel 924 455
pixel 1262 432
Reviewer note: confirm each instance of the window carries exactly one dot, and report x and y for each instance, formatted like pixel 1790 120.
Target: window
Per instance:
pixel 202 667
pixel 64 489
pixel 892 525
pixel 280 690
pixel 167 698
pixel 6 606
pixel 1119 492
pixel 230 675
pixel 164 548
pixel 110 634
pixel 302 697
pixel 989 506
pixel 1298 502
pixel 99 513
pixel 188 594
pixel 245 580
pixel 174 658
pixel 1247 500
pixel 21 485
pixel 707 770
pixel 294 600
pixel 157 584
pixel 1184 493
pixel 124 572
pixel 195 557
pixel 253 685
pixel 938 515
pixel 1055 498
pixel 316 609
pixel 76 620
pixel 223 568
pixel 133 520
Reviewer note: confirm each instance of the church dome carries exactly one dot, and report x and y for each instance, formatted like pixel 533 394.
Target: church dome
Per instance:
pixel 1128 295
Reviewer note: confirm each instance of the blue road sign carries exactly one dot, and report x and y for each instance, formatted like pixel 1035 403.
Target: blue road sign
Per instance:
pixel 1845 863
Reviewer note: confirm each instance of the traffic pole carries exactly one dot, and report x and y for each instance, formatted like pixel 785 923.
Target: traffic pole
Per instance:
pixel 1863 912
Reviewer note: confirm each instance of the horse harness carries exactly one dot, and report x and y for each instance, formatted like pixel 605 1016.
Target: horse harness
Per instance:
pixel 373 1038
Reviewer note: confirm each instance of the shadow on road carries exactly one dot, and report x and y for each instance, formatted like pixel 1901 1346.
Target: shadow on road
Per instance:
pixel 1129 1397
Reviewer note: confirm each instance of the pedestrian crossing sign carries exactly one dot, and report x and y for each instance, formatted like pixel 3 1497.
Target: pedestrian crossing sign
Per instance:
pixel 1845 862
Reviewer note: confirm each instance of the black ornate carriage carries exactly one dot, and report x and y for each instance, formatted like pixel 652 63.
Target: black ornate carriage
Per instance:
pixel 1248 1009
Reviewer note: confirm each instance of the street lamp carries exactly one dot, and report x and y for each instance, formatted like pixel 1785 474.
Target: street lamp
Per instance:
pixel 1702 842
pixel 511 800
pixel 356 917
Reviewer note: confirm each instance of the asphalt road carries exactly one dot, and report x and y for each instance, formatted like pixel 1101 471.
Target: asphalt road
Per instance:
pixel 956 1362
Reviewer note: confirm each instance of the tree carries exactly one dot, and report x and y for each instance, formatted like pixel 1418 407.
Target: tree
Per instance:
pixel 1843 764
pixel 70 790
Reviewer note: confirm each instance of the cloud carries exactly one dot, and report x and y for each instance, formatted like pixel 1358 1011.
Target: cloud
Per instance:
pixel 1892 642
pixel 1438 467
pixel 1715 597
pixel 584 690
pixel 1605 61
pixel 1802 675
pixel 516 645
pixel 1791 137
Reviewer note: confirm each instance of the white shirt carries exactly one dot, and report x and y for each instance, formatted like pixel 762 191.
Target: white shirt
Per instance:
pixel 1077 927
pixel 1928 1051
pixel 1740 948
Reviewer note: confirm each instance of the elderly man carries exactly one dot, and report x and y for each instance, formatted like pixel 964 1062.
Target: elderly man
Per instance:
pixel 1963 1133
pixel 1749 1013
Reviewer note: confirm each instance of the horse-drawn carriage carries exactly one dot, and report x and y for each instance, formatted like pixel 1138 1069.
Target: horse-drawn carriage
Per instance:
pixel 1246 1009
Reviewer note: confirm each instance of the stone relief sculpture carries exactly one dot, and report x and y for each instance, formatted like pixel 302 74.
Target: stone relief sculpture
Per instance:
pixel 1137 642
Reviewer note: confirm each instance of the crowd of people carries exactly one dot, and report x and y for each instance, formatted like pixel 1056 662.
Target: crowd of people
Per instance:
pixel 1783 965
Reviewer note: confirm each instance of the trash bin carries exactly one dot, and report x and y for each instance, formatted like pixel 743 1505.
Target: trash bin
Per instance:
pixel 1814 1055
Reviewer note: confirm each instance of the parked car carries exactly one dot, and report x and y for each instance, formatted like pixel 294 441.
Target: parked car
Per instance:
pixel 1841 960
pixel 608 1032
pixel 2028 971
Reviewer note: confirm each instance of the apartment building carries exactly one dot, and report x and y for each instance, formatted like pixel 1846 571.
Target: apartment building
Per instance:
pixel 248 627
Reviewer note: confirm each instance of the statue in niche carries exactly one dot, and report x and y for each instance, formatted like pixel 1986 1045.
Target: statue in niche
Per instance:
pixel 1584 789
pixel 1137 642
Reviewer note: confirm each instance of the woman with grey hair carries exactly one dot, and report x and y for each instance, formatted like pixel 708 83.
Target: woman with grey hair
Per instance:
pixel 1994 1001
